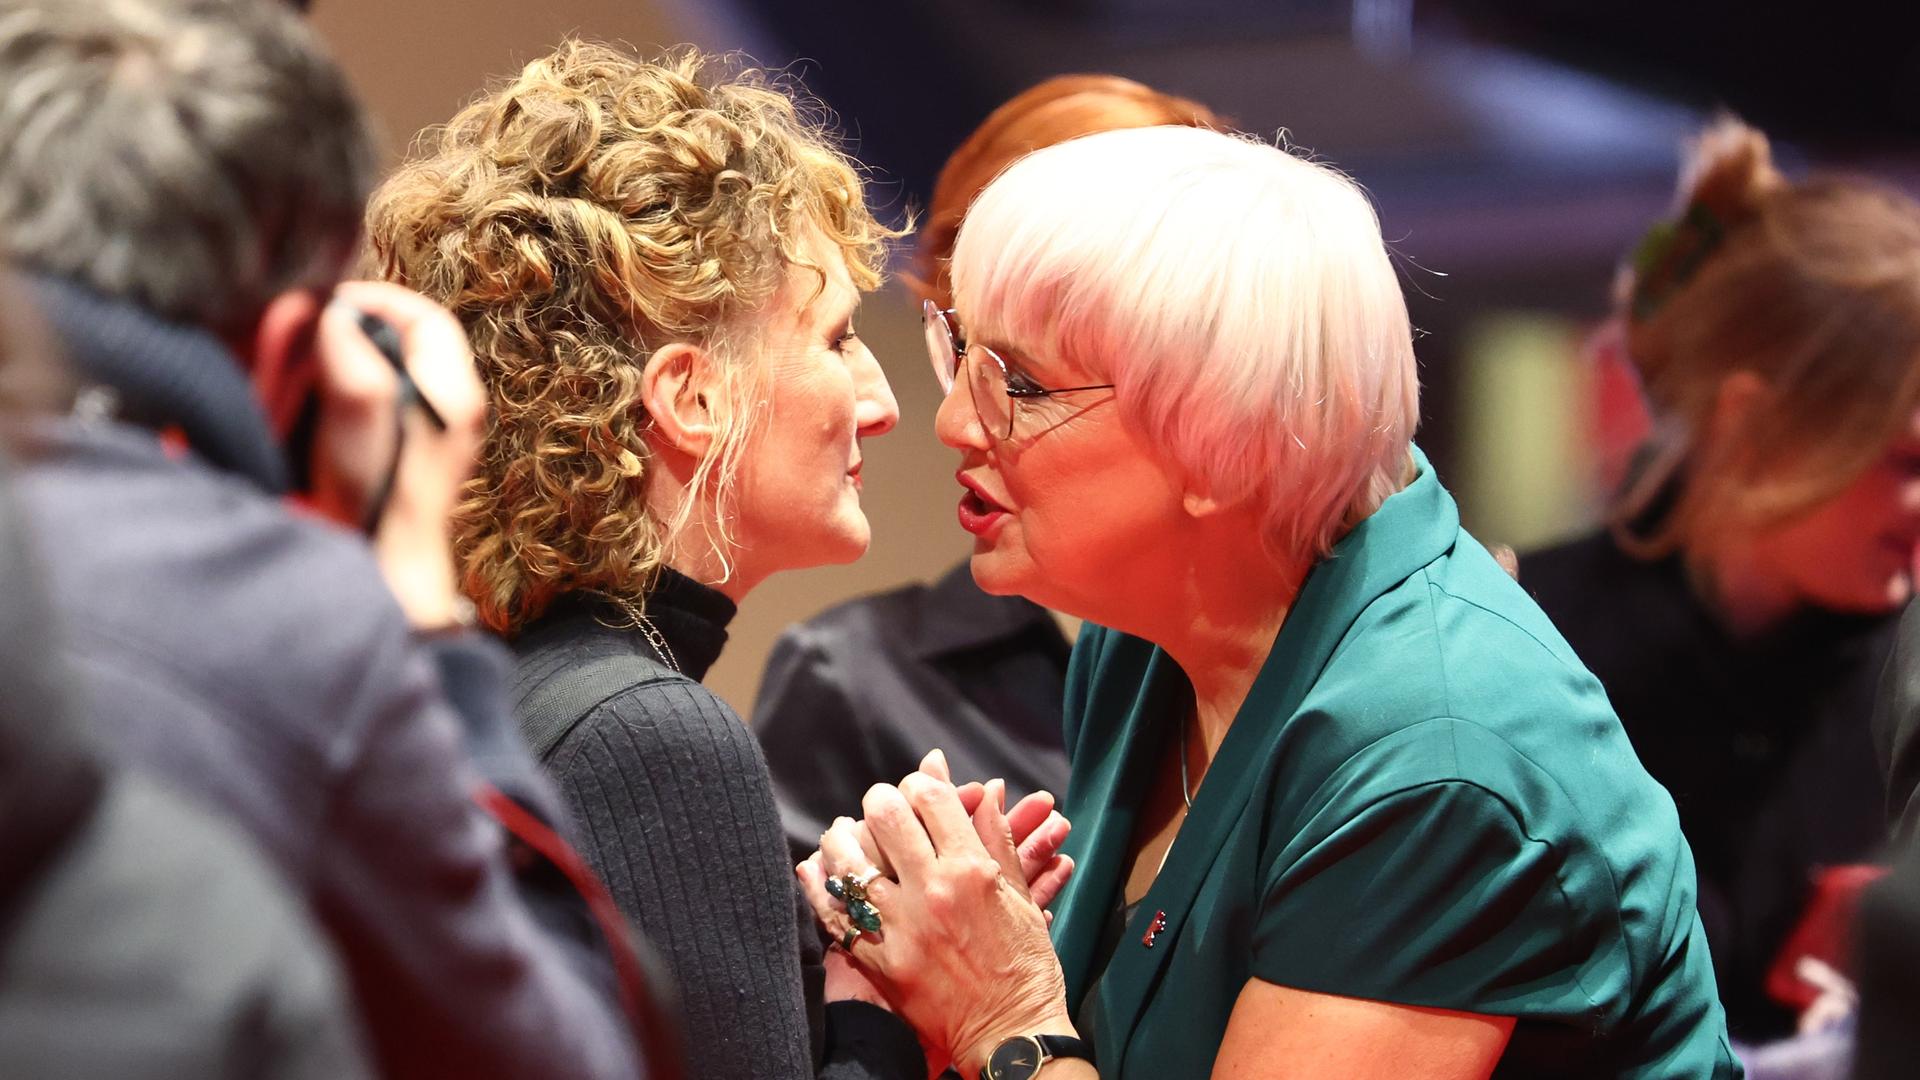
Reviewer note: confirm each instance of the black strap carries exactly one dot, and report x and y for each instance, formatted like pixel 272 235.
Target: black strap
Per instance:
pixel 1051 1047
pixel 1064 1046
pixel 549 709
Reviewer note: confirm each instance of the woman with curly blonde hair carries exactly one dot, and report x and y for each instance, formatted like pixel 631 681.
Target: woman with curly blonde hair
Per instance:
pixel 658 264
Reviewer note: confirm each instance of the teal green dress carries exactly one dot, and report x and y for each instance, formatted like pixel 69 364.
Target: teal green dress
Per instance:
pixel 1425 799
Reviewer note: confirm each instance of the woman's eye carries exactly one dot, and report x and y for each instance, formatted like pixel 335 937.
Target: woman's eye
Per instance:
pixel 1020 384
pixel 845 341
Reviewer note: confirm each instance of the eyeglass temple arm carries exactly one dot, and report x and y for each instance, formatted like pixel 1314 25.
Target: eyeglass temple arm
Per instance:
pixel 1048 392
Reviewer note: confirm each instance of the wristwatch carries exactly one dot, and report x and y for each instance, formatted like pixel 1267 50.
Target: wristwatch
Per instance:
pixel 1020 1057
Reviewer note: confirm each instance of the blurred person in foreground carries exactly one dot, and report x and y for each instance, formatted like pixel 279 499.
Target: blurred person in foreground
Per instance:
pixel 1887 933
pixel 140 937
pixel 659 264
pixel 184 181
pixel 1741 604
pixel 1344 803
pixel 858 693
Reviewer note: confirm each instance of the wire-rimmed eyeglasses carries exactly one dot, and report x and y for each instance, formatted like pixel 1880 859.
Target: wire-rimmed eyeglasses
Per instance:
pixel 995 388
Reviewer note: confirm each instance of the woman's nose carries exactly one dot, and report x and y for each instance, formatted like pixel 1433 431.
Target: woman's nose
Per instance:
pixel 957 424
pixel 875 410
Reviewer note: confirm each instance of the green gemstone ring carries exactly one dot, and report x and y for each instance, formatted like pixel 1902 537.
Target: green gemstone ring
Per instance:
pixel 860 910
pixel 865 916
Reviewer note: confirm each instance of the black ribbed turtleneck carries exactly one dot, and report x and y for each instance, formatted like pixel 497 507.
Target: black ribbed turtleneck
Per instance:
pixel 692 617
pixel 677 816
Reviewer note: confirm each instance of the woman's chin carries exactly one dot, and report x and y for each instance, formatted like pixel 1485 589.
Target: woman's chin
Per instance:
pixel 1882 594
pixel 837 547
pixel 1899 590
pixel 850 541
pixel 993 574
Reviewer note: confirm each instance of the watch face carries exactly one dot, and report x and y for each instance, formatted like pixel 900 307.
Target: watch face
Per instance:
pixel 1016 1059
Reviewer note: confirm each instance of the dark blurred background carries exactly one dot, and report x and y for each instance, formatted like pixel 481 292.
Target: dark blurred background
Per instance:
pixel 1515 150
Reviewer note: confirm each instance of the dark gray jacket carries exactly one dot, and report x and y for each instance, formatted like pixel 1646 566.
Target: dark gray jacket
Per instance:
pixel 157 946
pixel 139 939
pixel 256 661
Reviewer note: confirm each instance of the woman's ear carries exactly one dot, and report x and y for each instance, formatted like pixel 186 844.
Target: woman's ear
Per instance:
pixel 1739 393
pixel 673 389
pixel 1198 504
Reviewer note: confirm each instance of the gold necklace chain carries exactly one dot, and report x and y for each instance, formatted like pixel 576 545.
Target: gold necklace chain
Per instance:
pixel 655 639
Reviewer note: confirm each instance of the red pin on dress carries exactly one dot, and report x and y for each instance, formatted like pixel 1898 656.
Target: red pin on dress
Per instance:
pixel 1153 929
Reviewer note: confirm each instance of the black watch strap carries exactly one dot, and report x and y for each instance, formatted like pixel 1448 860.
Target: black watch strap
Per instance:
pixel 1064 1046
pixel 1017 1059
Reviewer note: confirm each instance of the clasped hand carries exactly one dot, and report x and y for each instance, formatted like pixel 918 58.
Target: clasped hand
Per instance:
pixel 961 886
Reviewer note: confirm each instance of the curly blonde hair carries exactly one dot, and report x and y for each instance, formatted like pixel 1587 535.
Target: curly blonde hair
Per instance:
pixel 591 210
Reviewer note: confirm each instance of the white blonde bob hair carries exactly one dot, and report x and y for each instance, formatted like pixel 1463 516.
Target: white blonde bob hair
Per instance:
pixel 1240 299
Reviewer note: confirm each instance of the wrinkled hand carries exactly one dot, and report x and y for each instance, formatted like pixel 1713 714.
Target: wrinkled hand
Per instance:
pixel 1035 828
pixel 963 952
pixel 354 444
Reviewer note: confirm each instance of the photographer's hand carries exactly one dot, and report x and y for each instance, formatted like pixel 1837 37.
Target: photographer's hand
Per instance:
pixel 354 446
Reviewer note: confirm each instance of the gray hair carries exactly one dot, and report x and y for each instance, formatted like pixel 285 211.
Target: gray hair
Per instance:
pixel 195 157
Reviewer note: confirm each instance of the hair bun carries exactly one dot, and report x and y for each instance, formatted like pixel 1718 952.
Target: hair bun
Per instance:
pixel 1729 172
pixel 1726 181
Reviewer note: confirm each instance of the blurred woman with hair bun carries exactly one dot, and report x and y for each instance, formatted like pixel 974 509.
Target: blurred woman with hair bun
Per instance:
pixel 1741 602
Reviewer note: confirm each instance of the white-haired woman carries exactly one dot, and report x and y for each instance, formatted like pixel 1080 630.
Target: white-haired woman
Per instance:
pixel 1345 803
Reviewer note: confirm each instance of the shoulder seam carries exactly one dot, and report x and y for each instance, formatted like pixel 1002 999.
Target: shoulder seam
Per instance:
pixel 1433 617
pixel 607 707
pixel 1476 605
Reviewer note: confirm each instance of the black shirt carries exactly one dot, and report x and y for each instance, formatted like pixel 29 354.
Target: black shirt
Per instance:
pixel 858 695
pixel 1763 742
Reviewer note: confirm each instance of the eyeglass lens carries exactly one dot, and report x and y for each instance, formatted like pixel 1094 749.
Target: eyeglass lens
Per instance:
pixel 986 374
pixel 988 383
pixel 941 350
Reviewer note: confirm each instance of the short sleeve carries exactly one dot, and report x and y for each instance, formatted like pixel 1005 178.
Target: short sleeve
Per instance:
pixel 1432 895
